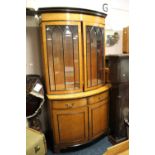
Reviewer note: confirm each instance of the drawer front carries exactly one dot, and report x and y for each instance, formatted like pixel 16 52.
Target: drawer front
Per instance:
pixel 69 104
pixel 98 98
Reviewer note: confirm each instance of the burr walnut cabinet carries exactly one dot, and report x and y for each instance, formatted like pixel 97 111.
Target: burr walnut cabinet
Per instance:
pixel 74 72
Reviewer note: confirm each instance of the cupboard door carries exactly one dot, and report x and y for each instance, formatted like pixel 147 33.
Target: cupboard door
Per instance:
pixel 62 54
pixel 94 55
pixel 70 126
pixel 98 118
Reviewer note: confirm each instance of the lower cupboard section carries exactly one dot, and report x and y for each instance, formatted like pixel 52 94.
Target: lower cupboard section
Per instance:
pixel 78 121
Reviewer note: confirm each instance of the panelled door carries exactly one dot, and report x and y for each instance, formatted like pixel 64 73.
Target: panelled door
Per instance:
pixel 70 125
pixel 98 118
pixel 62 56
pixel 94 64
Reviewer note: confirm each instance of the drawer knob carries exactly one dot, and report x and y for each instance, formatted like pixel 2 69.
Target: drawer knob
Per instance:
pixel 69 105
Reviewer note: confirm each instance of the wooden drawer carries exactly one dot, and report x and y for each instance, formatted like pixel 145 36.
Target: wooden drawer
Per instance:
pixel 69 103
pixel 98 98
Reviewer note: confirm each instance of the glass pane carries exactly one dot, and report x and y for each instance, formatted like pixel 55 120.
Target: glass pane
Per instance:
pixel 76 57
pixel 55 57
pixel 95 55
pixel 58 56
pixel 89 81
pixel 68 57
pixel 63 57
pixel 100 54
pixel 50 60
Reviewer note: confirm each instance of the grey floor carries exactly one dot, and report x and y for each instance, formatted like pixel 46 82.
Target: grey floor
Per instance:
pixel 97 148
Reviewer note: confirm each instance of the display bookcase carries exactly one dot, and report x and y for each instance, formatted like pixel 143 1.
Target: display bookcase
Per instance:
pixel 73 52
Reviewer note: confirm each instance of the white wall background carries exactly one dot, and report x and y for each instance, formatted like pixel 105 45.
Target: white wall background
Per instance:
pixel 33 48
pixel 117 18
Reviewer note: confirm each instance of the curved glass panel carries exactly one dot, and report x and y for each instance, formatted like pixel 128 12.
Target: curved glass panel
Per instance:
pixel 63 57
pixel 50 59
pixel 69 58
pixel 95 55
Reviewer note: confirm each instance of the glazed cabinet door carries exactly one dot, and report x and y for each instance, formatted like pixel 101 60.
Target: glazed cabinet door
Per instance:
pixel 98 118
pixel 70 126
pixel 93 55
pixel 62 56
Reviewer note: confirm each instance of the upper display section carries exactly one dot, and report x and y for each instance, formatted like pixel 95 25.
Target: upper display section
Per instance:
pixel 73 51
